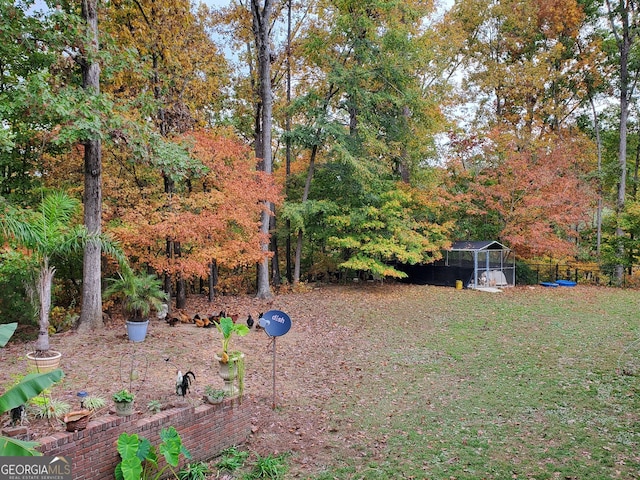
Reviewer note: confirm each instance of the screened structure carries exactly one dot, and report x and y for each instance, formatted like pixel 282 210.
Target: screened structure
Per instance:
pixel 480 264
pixel 488 263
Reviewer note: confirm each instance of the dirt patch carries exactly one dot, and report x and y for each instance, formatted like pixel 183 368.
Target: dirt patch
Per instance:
pixel 311 359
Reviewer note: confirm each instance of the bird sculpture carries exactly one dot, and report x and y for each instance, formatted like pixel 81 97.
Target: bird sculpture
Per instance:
pixel 183 382
pixel 163 311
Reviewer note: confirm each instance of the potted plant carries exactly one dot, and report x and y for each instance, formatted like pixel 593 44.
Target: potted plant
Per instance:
pixel 231 362
pixel 78 419
pixel 47 233
pixel 123 400
pixel 139 293
pixel 214 395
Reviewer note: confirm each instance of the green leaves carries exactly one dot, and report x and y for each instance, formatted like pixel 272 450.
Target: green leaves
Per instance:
pixel 171 446
pixel 227 328
pixel 6 331
pixel 138 292
pixel 29 387
pixel 135 451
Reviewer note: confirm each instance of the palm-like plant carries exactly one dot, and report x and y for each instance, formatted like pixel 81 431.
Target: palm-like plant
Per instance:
pixel 139 293
pixel 47 233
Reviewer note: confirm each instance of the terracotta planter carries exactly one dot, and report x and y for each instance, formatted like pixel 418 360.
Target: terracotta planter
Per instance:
pixel 77 420
pixel 44 364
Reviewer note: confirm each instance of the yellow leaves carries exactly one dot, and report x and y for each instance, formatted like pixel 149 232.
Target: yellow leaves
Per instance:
pixel 526 60
pixel 170 54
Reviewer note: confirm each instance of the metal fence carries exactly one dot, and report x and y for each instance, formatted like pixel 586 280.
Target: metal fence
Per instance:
pixel 585 274
pixel 551 272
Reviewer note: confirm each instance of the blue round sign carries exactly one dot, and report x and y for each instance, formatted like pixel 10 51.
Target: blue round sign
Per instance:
pixel 275 323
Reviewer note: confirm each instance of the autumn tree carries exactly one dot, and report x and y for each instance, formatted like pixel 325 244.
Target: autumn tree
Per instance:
pixel 538 198
pixel 176 72
pixel 527 79
pixel 363 105
pixel 216 219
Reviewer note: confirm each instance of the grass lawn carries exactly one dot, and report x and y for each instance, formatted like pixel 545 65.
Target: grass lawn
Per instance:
pixel 448 384
pixel 404 381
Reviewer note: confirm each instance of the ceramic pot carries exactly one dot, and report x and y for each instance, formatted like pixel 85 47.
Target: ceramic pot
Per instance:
pixel 44 364
pixel 124 409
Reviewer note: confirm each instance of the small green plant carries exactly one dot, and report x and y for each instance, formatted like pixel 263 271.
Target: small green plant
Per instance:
pixel 46 407
pixel 227 328
pixel 194 471
pixel 154 406
pixel 232 459
pixel 271 466
pixel 214 393
pixel 140 458
pixel 94 403
pixel 123 396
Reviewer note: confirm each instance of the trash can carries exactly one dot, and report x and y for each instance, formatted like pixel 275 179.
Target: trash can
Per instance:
pixel 458 284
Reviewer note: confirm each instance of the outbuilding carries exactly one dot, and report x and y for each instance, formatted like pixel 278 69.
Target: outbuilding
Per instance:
pixel 477 264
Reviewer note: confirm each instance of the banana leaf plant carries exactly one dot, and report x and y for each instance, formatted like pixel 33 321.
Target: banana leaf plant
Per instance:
pixel 30 386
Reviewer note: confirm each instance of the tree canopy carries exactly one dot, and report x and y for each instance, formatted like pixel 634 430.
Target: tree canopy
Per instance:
pixel 359 134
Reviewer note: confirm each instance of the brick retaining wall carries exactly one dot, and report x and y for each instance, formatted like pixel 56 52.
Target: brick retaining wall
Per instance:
pixel 205 430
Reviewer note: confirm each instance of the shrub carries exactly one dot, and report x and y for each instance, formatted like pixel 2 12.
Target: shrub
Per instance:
pixel 16 271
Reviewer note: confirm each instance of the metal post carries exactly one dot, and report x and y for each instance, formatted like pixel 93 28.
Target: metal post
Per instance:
pixel 273 406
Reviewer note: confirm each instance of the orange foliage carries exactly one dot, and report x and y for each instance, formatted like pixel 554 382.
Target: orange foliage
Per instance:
pixel 216 218
pixel 540 196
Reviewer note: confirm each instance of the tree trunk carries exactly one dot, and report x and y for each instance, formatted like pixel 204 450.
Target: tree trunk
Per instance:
pixel 276 277
pixel 91 316
pixel 45 280
pixel 213 279
pixel 623 23
pixel 305 196
pixel 622 184
pixel 181 293
pixel 168 288
pixel 596 126
pixel 261 27
pixel 288 145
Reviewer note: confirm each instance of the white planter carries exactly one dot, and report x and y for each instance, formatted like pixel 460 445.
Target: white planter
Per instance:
pixel 229 374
